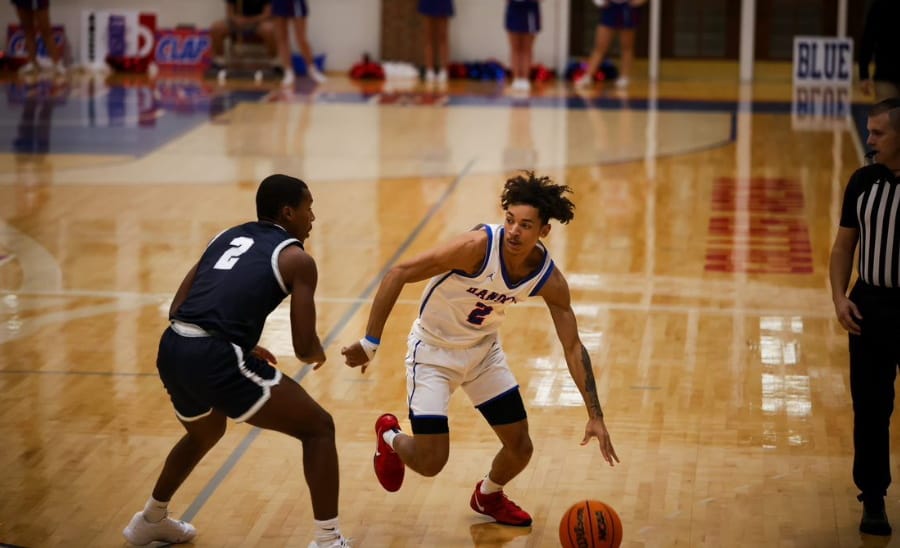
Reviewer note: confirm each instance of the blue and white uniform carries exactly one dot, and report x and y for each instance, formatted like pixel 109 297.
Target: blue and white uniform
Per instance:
pixel 454 341
pixel 523 16
pixel 204 356
pixel 436 8
pixel 289 8
pixel 619 14
pixel 32 5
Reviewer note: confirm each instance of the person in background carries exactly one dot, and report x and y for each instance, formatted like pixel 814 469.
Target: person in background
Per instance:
pixel 436 15
pixel 616 16
pixel 244 20
pixel 34 17
pixel 523 22
pixel 879 41
pixel 293 13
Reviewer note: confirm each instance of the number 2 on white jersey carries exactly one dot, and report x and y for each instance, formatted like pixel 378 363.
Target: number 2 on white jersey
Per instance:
pixel 239 246
pixel 477 315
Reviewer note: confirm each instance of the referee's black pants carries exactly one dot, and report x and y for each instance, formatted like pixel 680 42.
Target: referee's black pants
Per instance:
pixel 874 356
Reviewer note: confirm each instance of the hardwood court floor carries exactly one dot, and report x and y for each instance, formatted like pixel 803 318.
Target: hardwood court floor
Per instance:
pixel 697 262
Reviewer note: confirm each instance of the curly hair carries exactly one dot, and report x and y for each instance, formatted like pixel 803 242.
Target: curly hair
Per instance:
pixel 540 193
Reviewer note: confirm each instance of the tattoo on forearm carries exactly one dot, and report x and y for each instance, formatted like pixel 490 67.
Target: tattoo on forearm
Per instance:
pixel 590 387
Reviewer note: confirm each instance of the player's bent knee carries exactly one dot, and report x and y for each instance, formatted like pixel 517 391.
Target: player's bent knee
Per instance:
pixel 325 423
pixel 432 439
pixel 432 454
pixel 524 448
pixel 319 425
pixel 516 440
pixel 432 465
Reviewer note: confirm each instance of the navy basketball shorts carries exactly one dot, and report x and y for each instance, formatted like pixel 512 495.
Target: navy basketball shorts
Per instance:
pixel 289 8
pixel 436 8
pixel 202 373
pixel 32 5
pixel 619 16
pixel 433 373
pixel 523 17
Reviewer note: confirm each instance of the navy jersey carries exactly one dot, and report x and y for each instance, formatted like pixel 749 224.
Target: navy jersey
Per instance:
pixel 238 283
pixel 523 16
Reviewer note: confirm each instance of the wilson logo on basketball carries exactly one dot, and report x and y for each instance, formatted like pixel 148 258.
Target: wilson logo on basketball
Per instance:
pixel 590 524
pixel 580 536
pixel 601 524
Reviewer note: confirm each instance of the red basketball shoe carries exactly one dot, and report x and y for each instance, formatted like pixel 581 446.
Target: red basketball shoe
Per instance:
pixel 499 507
pixel 388 467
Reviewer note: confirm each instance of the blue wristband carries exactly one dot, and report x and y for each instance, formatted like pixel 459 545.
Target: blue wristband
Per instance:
pixel 373 340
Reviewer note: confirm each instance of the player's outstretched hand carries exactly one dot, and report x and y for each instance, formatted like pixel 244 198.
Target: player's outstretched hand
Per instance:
pixel 596 428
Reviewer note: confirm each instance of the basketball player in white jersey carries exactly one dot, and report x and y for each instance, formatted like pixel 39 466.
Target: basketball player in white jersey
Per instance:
pixel 454 342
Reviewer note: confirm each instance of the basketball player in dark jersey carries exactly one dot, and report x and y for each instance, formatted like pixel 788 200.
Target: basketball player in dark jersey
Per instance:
pixel 213 369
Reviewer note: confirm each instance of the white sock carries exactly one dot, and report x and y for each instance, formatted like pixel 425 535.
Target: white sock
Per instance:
pixel 155 510
pixel 488 486
pixel 389 436
pixel 327 531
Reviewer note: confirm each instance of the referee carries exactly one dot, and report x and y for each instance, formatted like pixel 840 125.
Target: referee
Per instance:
pixel 870 216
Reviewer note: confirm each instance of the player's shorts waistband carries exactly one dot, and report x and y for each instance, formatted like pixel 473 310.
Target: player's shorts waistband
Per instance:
pixel 419 332
pixel 189 330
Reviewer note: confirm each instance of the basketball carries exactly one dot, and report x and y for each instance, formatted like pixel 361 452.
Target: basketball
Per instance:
pixel 590 523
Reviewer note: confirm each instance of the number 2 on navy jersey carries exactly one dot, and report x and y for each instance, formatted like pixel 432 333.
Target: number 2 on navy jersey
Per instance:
pixel 478 313
pixel 239 246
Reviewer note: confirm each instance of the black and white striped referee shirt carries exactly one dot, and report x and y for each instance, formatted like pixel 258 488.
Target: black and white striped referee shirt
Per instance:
pixel 872 206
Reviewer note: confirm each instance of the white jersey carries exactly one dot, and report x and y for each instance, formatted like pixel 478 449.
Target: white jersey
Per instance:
pixel 459 310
